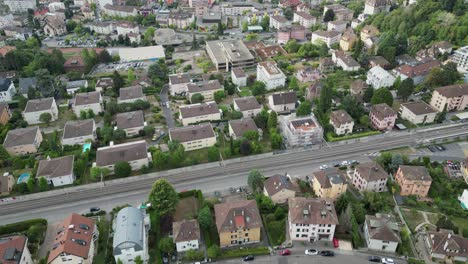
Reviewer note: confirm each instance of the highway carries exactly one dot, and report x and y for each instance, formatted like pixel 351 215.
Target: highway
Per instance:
pixel 54 205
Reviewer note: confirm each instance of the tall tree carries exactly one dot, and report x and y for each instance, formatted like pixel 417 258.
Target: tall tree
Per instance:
pixel 265 23
pixel 166 245
pixel 122 169
pixel 325 99
pixel 163 197
pixel 382 95
pixel 272 120
pixel 304 109
pixel 255 180
pixel 329 15
pixel 118 81
pixel 45 118
pixel 406 88
pixel 205 218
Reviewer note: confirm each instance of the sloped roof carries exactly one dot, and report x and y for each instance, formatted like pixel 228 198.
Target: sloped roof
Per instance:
pixel 87 98
pixel 382 110
pixel 278 183
pixel 20 137
pixel 201 109
pixel 39 105
pixel 230 216
pixel 415 173
pixel 247 103
pixel 340 117
pixel 191 133
pixel 240 126
pixel 78 128
pixel 186 230
pixel 122 152
pixel 284 98
pixel 131 92
pixel 58 167
pixel 11 249
pixel 312 211
pixel 130 119
pixel 371 171
pixel 383 227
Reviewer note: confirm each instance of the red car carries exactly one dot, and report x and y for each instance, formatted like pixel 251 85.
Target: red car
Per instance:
pixel 336 242
pixel 285 252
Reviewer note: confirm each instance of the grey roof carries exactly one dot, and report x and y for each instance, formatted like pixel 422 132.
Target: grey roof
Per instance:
pixel 204 86
pixel 312 211
pixel 284 98
pixel 371 171
pixel 129 230
pixel 39 105
pixel 419 108
pixel 278 183
pixel 4 84
pixel 340 117
pixel 186 230
pixel 247 103
pixel 130 120
pixel 76 84
pixel 105 82
pixel 327 177
pixel 131 151
pixel 240 126
pixel 179 78
pixel 57 167
pixel 131 92
pixel 239 72
pixel 199 109
pixel 78 128
pixel 191 133
pixel 234 50
pixel 415 173
pixel 26 83
pixel 383 227
pixel 87 98
pixel 20 137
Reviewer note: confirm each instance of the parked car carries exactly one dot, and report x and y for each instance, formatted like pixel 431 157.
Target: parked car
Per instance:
pixel 440 147
pixel 285 252
pixel 248 258
pixel 327 253
pixel 432 148
pixel 387 261
pixel 311 252
pixel 324 167
pixel 345 163
pixel 354 162
pixel 336 165
pixel 375 259
pixel 94 209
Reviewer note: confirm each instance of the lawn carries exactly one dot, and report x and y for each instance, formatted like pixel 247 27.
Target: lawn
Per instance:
pixel 245 92
pixel 462 223
pixel 187 208
pixel 413 218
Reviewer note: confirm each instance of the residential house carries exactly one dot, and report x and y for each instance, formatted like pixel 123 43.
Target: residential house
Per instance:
pixel 452 97
pixel 373 7
pixel 19 33
pixel 300 131
pixel 278 22
pixel 180 19
pixel 186 235
pixel 196 113
pixel 248 105
pixel 7 90
pixel 74 86
pixel 377 77
pixel 55 26
pixel 75 241
pixel 418 72
pixel 326 64
pixel 135 153
pixel 382 117
pixel 446 246
pixel 178 83
pixel 87 12
pixel 238 127
pixel 286 33
pixel 7 181
pixel 313 90
pixel 370 176
pixel 74 64
pixel 413 180
pixel 119 10
pixel 337 25
pixel 5 113
pixel 25 84
pixel 101 27
pixel 238 223
pixel 304 19
pixel 418 112
pixel 14 250
pixel 382 233
pixel 460 58
pixel 126 27
pixel 22 141
pixel 280 188
pixel 347 40
pixel 358 87
pixel 270 74
pixel 79 132
pixel 311 219
pixel 229 54
pixel 236 8
pixel 102 84
pixel 282 101
pixel 379 61
pixel 130 237
pixel 329 184
pixel 35 108
pixel 86 102
pixel 131 94
pixel 444 47
pixel 308 75
pixel 194 137
pixel 341 13
pixel 239 77
pixel 130 122
pixel 20 6
pixel 327 37
pixel 342 122
pixel 205 88
pixel 345 61
pixel 369 31
pixel 58 171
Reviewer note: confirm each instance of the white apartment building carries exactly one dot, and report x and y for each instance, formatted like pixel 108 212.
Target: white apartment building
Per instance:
pixel 327 37
pixel 455 97
pixel 342 122
pixel 377 77
pixel 304 19
pixel 87 101
pixel 135 153
pixel 418 112
pixel 125 27
pixel 373 7
pixel 236 8
pixel 278 22
pixel 7 90
pixel 370 177
pixel 337 25
pixel 20 6
pixel 194 137
pixel 248 105
pixel 270 74
pixel 186 235
pixel 207 89
pixel 239 77
pixel 202 112
pixel 34 109
pixel 79 132
pixel 118 10
pixel 460 57
pixel 105 28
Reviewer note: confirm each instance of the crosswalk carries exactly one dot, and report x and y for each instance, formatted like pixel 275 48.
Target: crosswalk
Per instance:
pixel 373 154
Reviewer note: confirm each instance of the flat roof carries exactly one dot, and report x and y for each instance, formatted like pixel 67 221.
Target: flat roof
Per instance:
pixel 139 54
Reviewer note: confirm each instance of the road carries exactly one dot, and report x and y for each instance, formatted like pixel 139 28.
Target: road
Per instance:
pixel 164 95
pixel 53 205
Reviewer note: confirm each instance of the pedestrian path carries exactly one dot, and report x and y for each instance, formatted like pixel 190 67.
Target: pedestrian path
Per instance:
pixel 373 154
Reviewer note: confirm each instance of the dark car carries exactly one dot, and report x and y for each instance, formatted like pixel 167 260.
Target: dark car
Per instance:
pixel 336 165
pixel 440 147
pixel 327 253
pixel 94 209
pixel 432 148
pixel 375 259
pixel 248 258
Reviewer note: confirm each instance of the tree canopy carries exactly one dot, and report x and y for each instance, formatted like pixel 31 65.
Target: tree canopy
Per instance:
pixel 163 197
pixel 382 95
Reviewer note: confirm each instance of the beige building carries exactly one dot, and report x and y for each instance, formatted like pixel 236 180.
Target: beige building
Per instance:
pixel 135 153
pixel 238 223
pixel 237 128
pixel 280 188
pixel 418 112
pixel 329 184
pixel 79 132
pixel 368 32
pixel 413 180
pixel 248 105
pixel 178 83
pixel 342 122
pixel 131 122
pixel 35 108
pixel 455 97
pixel 7 181
pixel 207 89
pixel 23 141
pixel 370 176
pixel 194 137
pixel 196 113
pixel 347 40
pixel 87 101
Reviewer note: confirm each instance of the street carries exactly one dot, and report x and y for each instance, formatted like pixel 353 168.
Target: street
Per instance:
pixel 164 96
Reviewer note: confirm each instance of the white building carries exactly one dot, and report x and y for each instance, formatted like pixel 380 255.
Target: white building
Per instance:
pixel 130 122
pixel 58 171
pixel 278 22
pixel 373 7
pixel 282 102
pixel 370 177
pixel 35 108
pixel 14 249
pixel 105 28
pixel 464 199
pixel 20 6
pixel 311 219
pixel 382 233
pixel 54 6
pixel 178 83
pixel 131 227
pixel 7 90
pixel 236 8
pixel 270 74
pixel 79 132
pixel 194 137
pixel 206 88
pixel 342 122
pixel 119 10
pixel 377 77
pixel 125 27
pixel 339 26
pixel 460 57
pixel 345 61
pixel 86 102
pixel 149 53
pixel 300 131
pixel 196 113
pixel 249 106
pixel 135 153
pixel 304 19
pixel 418 112
pixel 186 235
pixel 239 77
pixel 327 37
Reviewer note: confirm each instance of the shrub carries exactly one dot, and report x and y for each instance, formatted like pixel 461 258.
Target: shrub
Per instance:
pixel 21 226
pixel 235 253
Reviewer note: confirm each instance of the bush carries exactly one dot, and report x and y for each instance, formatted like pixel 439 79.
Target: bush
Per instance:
pixel 236 253
pixel 331 138
pixel 465 232
pixel 213 251
pixel 21 226
pixel 192 255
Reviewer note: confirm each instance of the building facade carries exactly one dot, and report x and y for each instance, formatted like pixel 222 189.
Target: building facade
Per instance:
pixel 23 141
pixel 194 137
pixel 382 117
pixel 418 112
pixel 270 74
pixel 413 180
pixel 452 98
pixel 35 108
pixel 370 176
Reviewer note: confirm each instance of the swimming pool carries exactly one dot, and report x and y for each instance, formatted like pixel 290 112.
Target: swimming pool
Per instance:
pixel 86 146
pixel 23 178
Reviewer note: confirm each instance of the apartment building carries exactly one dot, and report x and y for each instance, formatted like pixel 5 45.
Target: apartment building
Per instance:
pixel 337 25
pixel 23 141
pixel 342 122
pixel 278 22
pixel 329 184
pixel 373 7
pixel 413 180
pixel 382 117
pixel 206 88
pixel 444 246
pixel 194 137
pixel 300 131
pixel 416 72
pixel 347 40
pixel 180 19
pixel 282 102
pixel 58 171
pixel 377 77
pixel 14 250
pixel 238 127
pixel 35 108
pixel 345 61
pixel 454 97
pixel 370 177
pixel 327 37
pixel 20 6
pixel 304 19
pixel 460 57
pixel 239 77
pixel 186 235
pixel 236 8
pixel 280 188
pixel 418 112
pixel 7 90
pixel 228 54
pixel 270 74
pixel 248 105
pixel 131 94
pixel 196 113
pixel 126 27
pixel 119 10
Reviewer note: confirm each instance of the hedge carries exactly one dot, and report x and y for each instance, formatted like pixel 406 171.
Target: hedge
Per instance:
pixel 331 138
pixel 21 226
pixel 235 253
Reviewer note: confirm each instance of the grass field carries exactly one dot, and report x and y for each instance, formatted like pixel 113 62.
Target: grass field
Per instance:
pixel 413 218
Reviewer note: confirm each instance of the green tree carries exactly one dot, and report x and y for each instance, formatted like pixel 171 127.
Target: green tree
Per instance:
pixel 122 169
pixel 219 96
pixel 304 109
pixel 258 88
pixel 443 76
pixel 245 26
pixel 292 46
pixel 138 260
pixel 160 159
pixel 329 15
pixel 364 120
pixel 251 135
pixel 96 172
pixel 406 88
pixel 272 120
pixel 261 119
pixel 163 197
pixel 43 185
pixel 293 83
pixel 255 180
pixel 251 37
pixel 118 81
pixel 30 184
pixel 382 95
pixel 193 255
pixel 83 115
pixel 205 218
pixel 213 251
pixel 368 93
pixel 213 154
pixel 104 56
pixel 220 29
pixel 276 140
pixel 325 99
pixel 45 118
pixel 265 23
pixel 130 76
pixel 166 245
pixel 197 98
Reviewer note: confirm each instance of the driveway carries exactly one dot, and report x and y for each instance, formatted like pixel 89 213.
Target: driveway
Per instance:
pixel 164 95
pixel 49 240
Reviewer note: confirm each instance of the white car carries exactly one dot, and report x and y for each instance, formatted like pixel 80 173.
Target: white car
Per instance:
pixel 311 252
pixel 345 163
pixel 323 167
pixel 387 261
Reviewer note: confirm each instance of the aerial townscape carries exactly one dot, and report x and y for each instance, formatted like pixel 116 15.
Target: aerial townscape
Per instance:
pixel 232 131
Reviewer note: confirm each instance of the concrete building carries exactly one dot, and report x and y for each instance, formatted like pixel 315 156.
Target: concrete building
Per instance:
pixel 186 235
pixel 342 122
pixel 178 83
pixel 55 26
pixel 202 112
pixel 7 182
pixel 446 246
pixel 311 219
pixel 234 219
pixel 236 8
pixel 126 27
pixel 76 241
pixel 248 105
pixel 287 33
pixel 345 61
pixel 329 184
pixel 413 180
pixel 131 94
pixel 278 22
pixel 382 233
pixel 194 137
pixel 270 74
pixel 179 19
pixel 86 102
pixel 7 90
pixel 368 32
pixel 131 227
pixel 101 27
pixel 300 131
pixel 373 7
pixel 418 112
pixel 304 19
pixel 282 102
pixel 58 171
pixel 347 40
pixel 382 117
pixel 23 141
pixel 14 250
pixel 370 177
pixel 239 77
pixel 454 97
pixel 200 6
pixel 327 37
pixel 337 25
pixel 341 13
pixel 35 108
pixel 238 127
pixel 417 72
pixel 228 54
pixel 135 153
pixel 130 122
pixel 149 53
pixel 205 88
pixel 460 57
pixel 280 188
pixel 377 77
pixel 119 10
pixel 79 132
pixel 20 6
